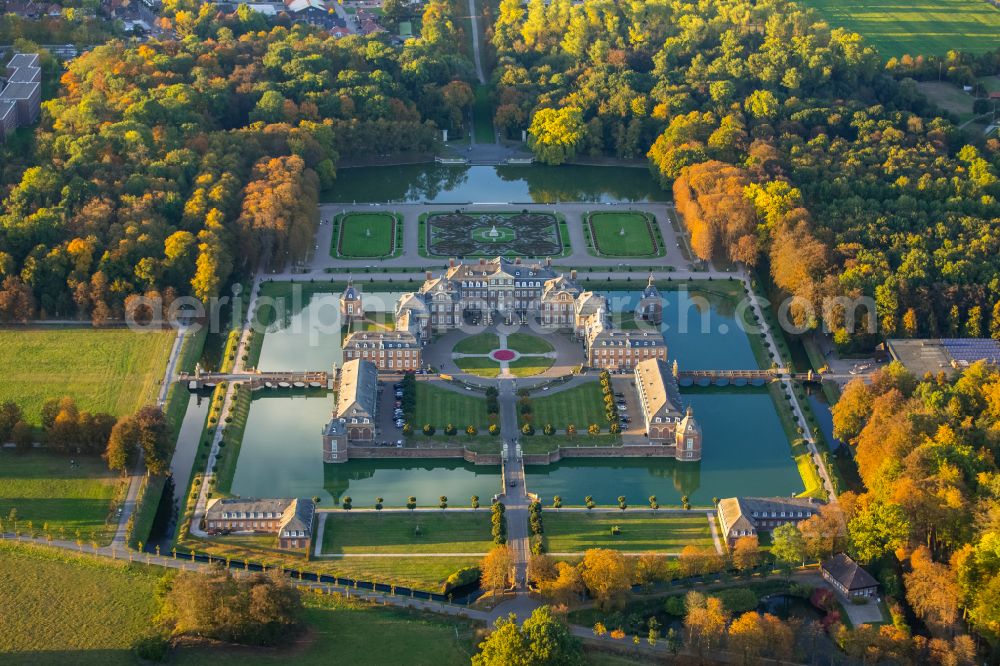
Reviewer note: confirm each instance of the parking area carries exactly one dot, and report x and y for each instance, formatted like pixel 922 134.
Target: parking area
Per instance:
pixel 636 427
pixel 386 428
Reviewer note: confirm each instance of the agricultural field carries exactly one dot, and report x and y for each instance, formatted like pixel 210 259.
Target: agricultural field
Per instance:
pixel 927 27
pixel 576 531
pixel 84 609
pixel 114 371
pixel 365 235
pixel 410 532
pixel 439 407
pixel 46 488
pixel 623 234
pixel 580 405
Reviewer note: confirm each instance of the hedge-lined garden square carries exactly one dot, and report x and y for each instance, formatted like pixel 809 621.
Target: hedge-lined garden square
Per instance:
pixel 490 234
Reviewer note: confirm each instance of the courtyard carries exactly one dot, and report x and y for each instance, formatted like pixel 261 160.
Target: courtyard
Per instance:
pixel 506 351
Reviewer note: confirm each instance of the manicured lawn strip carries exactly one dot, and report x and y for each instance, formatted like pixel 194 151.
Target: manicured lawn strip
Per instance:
pixel 352 239
pixel 637 241
pixel 103 370
pixel 359 635
pixel 525 343
pixel 529 366
pixel 45 489
pixel 233 439
pixel 478 365
pixel 483 343
pixel 482 116
pixel 576 531
pixel 925 27
pixel 439 407
pixel 379 532
pixel 86 609
pixel 422 573
pixel 580 405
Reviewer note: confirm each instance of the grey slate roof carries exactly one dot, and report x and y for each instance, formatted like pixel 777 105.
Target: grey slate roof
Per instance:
pixel 742 513
pixel 659 388
pixel 848 573
pixel 358 390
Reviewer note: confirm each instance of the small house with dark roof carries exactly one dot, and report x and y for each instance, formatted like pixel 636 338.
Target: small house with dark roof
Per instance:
pixel 848 578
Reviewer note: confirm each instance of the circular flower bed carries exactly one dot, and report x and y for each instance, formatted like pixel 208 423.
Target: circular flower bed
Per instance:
pixel 503 355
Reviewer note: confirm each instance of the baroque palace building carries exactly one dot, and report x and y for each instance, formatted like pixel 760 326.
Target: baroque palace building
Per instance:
pixel 511 292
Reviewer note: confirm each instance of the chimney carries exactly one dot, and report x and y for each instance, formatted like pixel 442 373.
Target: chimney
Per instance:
pixel 517 260
pixel 427 275
pixel 482 262
pixel 548 262
pixel 572 274
pixel 451 262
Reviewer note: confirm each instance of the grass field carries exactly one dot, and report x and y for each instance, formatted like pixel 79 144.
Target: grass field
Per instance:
pixel 529 366
pixel 60 607
pixel 580 405
pixel 924 27
pixel 483 343
pixel 45 489
pixel 365 235
pixel 606 228
pixel 439 407
pixel 114 371
pixel 440 532
pixel 422 573
pixel 478 365
pixel 359 635
pixel 571 532
pixel 525 343
pixel 482 116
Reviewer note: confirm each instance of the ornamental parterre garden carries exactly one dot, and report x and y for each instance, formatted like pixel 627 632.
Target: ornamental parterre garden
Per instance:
pixel 492 234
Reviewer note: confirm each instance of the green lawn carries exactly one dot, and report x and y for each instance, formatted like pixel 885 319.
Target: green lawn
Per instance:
pixel 478 365
pixel 606 230
pixel 580 405
pixel 482 116
pixel 365 235
pixel 440 406
pixel 440 532
pixel 110 370
pixel 571 532
pixel 45 489
pixel 925 27
pixel 529 366
pixel 526 343
pixel 358 635
pixel 61 607
pixel 483 343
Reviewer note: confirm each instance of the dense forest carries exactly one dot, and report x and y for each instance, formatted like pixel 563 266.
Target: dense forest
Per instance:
pixel 164 167
pixel 926 450
pixel 845 181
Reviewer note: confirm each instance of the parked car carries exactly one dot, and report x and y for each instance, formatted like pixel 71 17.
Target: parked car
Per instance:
pixel 622 408
pixel 619 394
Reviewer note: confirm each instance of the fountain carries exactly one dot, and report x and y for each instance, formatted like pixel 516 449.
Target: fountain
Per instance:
pixel 493 233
